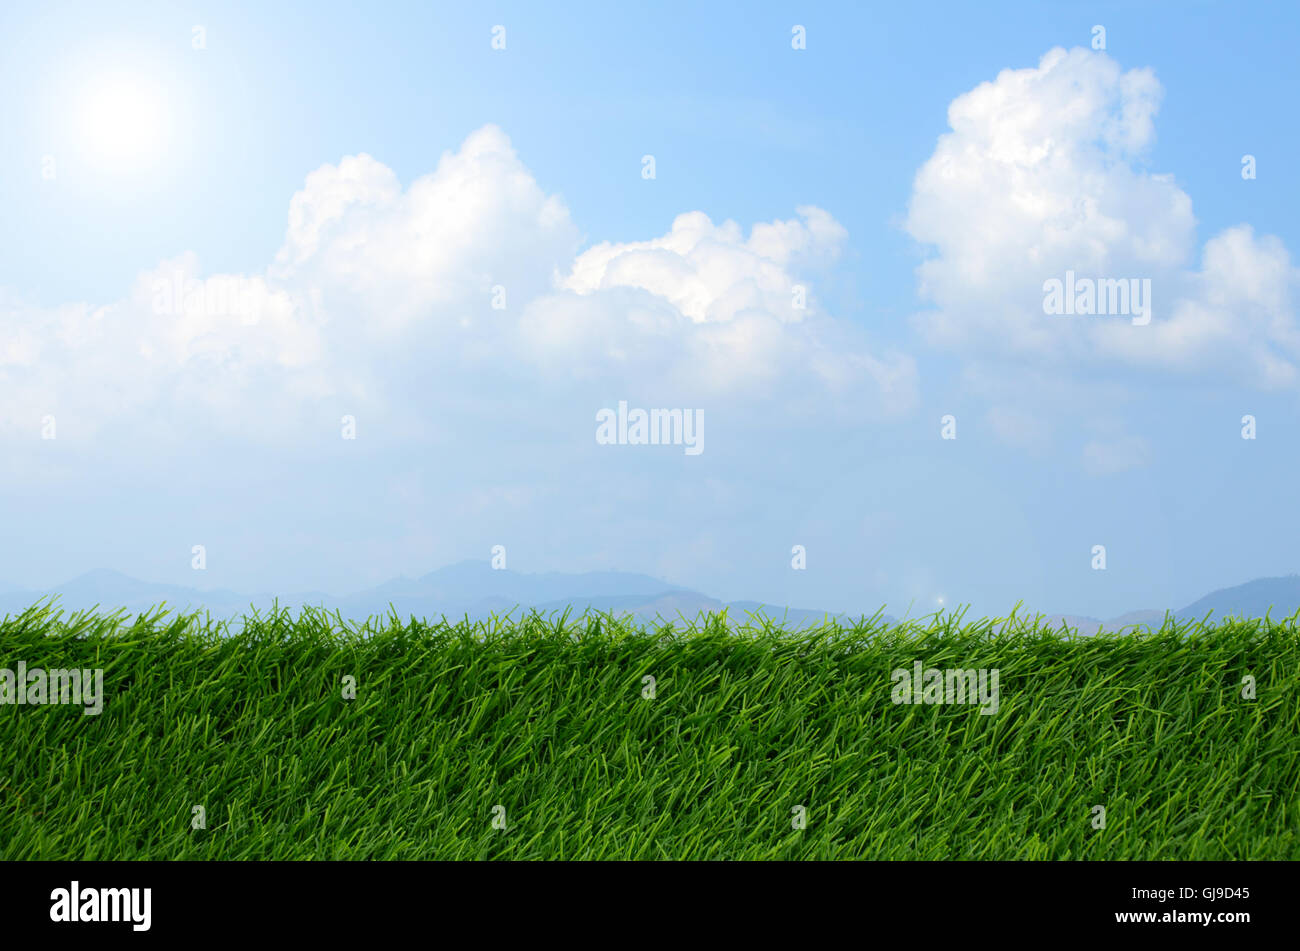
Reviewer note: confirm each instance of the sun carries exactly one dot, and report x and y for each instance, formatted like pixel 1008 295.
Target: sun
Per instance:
pixel 123 121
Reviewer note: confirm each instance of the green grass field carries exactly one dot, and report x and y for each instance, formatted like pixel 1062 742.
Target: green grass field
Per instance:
pixel 550 720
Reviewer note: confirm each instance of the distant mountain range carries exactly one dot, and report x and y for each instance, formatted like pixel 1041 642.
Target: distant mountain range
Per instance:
pixel 476 590
pixel 470 588
pixel 1278 596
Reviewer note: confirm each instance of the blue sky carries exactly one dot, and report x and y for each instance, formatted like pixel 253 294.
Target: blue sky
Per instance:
pixel 475 425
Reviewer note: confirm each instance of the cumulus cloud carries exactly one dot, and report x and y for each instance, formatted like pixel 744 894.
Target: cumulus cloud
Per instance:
pixel 381 297
pixel 203 349
pixel 1237 315
pixel 714 272
pixel 391 257
pixel 1043 173
pixel 713 310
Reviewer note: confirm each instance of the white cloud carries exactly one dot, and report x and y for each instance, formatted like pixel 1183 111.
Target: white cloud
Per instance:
pixel 1237 317
pixel 390 258
pixel 180 348
pixel 380 300
pixel 1043 173
pixel 712 310
pixel 713 272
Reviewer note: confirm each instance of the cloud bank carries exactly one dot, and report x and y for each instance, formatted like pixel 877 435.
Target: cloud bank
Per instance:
pixel 394 300
pixel 1044 173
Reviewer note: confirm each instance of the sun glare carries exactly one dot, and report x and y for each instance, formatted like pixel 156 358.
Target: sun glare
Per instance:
pixel 123 122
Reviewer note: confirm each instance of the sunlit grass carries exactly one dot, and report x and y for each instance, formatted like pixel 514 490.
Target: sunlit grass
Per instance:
pixel 546 717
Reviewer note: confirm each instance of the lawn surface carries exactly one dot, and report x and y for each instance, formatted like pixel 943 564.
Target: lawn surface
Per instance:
pixel 549 727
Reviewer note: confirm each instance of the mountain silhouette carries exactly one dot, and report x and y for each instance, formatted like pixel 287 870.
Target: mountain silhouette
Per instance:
pixel 476 590
pixel 1255 598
